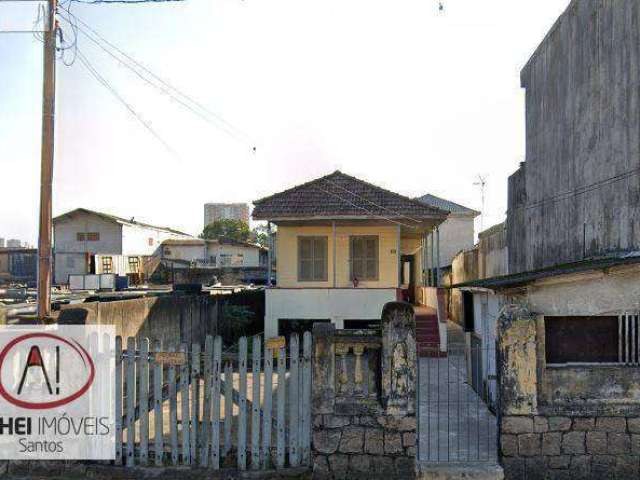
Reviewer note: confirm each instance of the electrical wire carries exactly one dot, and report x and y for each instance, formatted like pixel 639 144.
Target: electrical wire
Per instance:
pixel 373 203
pixel 91 69
pixel 165 87
pixel 370 212
pixel 581 190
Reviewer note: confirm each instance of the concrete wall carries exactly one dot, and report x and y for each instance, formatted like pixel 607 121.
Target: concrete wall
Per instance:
pixel 172 318
pixel 335 304
pixel 456 235
pixel 493 255
pixel 582 130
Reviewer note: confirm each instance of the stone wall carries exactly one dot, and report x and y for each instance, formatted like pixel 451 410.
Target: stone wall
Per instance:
pixel 549 447
pixel 363 403
pixel 561 429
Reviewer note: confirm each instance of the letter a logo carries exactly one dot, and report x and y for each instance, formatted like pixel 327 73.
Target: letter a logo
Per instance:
pixel 34 359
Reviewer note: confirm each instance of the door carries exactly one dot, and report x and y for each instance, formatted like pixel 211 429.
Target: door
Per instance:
pixel 408 282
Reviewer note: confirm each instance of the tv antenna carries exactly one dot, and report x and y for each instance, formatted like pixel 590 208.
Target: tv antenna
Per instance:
pixel 482 183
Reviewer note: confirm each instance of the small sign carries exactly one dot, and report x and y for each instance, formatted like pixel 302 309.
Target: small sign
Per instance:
pixel 171 358
pixel 275 343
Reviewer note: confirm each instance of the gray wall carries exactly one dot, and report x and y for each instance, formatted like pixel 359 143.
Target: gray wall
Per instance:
pixel 583 129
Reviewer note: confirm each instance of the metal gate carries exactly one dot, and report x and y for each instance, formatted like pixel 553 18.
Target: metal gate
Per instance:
pixel 208 408
pixel 457 392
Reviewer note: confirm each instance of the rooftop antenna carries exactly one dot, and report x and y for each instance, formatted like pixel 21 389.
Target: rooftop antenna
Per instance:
pixel 482 183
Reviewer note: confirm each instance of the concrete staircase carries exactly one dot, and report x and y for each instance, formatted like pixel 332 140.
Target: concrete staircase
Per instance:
pixel 427 332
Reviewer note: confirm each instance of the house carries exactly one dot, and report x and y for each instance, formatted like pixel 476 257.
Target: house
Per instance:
pixel 219 253
pixel 86 241
pixel 456 233
pixel 345 248
pixel 571 290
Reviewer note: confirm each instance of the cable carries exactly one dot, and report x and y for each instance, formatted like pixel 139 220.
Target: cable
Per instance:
pixel 85 62
pixel 168 89
pixel 581 190
pixel 365 209
pixel 372 203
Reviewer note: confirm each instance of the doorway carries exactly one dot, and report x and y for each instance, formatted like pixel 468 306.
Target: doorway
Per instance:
pixel 407 263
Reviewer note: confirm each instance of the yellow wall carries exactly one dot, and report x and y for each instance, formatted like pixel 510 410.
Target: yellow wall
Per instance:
pixel 287 248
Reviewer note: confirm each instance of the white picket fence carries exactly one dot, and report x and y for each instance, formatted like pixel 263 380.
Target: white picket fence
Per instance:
pixel 207 409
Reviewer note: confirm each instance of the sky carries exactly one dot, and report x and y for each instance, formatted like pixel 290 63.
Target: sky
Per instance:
pixel 396 92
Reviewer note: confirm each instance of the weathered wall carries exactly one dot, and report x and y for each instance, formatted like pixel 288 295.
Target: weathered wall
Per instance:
pixel 493 252
pixel 582 140
pixel 363 400
pixel 562 422
pixel 172 318
pixel 456 234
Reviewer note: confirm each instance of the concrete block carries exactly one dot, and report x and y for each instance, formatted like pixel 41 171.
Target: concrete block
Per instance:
pixel 611 424
pixel 573 443
pixel 517 425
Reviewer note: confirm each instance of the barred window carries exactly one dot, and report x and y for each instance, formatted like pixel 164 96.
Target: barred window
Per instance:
pixel 364 257
pixel 312 259
pixel 107 265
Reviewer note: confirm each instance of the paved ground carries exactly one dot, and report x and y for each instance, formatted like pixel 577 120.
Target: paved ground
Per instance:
pixel 455 424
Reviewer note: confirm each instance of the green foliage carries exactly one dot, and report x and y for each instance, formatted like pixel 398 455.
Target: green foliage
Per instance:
pixel 228 228
pixel 237 318
pixel 261 238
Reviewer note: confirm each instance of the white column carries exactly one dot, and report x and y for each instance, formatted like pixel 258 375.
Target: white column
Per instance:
pixel 333 225
pixel 269 254
pixel 399 252
pixel 437 256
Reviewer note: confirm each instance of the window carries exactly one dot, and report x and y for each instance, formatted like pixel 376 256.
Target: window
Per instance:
pixel 364 257
pixel 88 237
pixel 312 259
pixel 134 264
pixel 578 339
pixel 107 265
pixel 288 326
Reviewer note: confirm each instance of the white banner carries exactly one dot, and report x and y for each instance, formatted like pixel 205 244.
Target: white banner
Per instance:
pixel 57 392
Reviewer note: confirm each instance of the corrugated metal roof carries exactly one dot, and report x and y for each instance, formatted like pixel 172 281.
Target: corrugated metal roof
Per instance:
pixel 447 205
pixel 524 278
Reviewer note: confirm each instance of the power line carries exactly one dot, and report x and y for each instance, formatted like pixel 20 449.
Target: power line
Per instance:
pixel 582 190
pixel 365 209
pixel 372 203
pixel 85 62
pixel 165 87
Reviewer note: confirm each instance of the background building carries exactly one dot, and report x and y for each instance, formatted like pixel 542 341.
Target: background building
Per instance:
pixel 1 242
pixel 93 242
pixel 14 243
pixel 217 211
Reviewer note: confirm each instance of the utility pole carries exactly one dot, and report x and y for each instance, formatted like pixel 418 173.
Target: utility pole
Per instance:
pixel 46 163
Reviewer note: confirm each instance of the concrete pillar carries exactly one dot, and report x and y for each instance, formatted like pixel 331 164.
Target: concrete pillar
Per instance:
pixel 324 369
pixel 333 226
pixel 399 252
pixel 269 254
pixel 399 360
pixel 517 361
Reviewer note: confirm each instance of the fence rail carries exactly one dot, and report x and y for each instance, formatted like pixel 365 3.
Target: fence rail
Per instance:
pixel 177 405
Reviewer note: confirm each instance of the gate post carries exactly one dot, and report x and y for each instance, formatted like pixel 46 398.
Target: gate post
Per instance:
pixel 363 399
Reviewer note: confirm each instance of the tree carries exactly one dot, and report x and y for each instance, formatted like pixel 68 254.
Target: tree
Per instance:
pixel 228 228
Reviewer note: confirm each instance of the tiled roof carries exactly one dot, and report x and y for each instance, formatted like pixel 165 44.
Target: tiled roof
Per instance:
pixel 114 218
pixel 340 195
pixel 447 205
